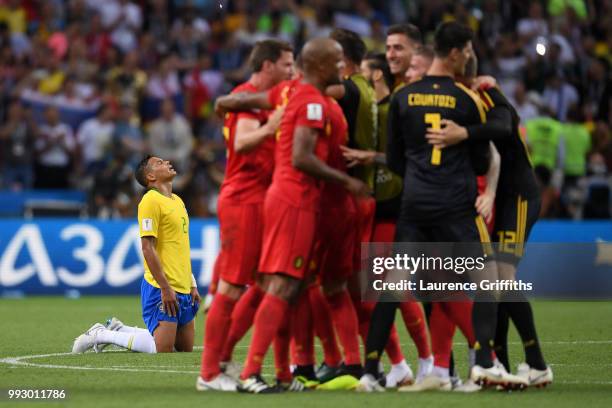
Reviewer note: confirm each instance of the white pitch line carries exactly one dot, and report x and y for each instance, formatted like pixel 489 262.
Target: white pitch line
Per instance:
pixel 19 362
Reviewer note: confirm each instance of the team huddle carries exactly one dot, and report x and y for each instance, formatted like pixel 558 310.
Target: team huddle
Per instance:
pixel 339 148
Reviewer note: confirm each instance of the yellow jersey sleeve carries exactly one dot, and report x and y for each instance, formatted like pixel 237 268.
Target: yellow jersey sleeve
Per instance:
pixel 149 215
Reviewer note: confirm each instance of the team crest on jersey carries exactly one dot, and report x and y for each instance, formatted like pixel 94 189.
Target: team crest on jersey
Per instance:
pixel 298 262
pixel 314 111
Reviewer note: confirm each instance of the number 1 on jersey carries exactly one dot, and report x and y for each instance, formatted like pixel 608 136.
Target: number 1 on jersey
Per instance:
pixel 434 119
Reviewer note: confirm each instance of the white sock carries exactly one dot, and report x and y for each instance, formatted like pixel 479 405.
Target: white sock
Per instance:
pixel 440 372
pixel 140 340
pixel 131 329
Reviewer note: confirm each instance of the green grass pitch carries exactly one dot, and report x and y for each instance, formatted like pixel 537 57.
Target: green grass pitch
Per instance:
pixel 576 338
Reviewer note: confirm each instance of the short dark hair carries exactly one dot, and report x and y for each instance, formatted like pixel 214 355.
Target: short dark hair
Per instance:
pixel 379 61
pixel 409 30
pixel 267 50
pixel 451 35
pixel 141 171
pixel 352 45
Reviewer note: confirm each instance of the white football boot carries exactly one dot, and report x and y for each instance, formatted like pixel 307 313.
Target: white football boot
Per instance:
pixel 87 340
pixel 428 383
pixel 494 376
pixel 400 374
pixel 535 378
pixel 367 383
pixel 222 382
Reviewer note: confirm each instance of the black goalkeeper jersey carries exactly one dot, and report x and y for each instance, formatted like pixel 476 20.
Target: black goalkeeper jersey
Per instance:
pixel 516 176
pixel 439 185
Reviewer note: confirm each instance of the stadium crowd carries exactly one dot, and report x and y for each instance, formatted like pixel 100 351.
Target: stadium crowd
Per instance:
pixel 87 87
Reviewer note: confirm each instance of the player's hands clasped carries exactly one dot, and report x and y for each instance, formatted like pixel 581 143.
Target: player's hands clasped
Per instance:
pixel 450 134
pixel 168 297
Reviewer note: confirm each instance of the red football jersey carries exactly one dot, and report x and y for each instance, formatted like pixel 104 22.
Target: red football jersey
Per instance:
pixel 334 194
pixel 247 175
pixel 280 93
pixel 306 107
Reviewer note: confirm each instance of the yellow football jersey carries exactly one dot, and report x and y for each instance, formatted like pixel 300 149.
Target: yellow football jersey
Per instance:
pixel 166 219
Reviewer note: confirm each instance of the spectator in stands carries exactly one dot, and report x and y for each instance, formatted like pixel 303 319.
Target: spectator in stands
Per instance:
pixel 55 149
pixel 576 145
pixel 128 81
pixel 127 136
pixel 163 83
pixel 544 138
pixel 17 139
pixel 95 137
pixel 524 103
pixel 170 137
pixel 113 192
pixel 559 95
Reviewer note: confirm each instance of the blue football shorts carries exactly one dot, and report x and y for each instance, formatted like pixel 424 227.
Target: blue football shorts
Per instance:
pixel 152 310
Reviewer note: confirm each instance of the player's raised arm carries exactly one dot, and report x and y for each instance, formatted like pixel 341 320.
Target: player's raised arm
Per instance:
pixel 396 160
pixel 304 159
pixel 241 101
pixel 250 133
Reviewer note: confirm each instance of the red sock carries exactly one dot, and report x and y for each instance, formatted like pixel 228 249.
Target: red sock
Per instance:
pixel 268 319
pixel 323 326
pixel 214 282
pixel 217 326
pixel 345 321
pixel 414 319
pixel 302 331
pixel 442 330
pixel 461 314
pixel 281 352
pixel 242 319
pixel 393 347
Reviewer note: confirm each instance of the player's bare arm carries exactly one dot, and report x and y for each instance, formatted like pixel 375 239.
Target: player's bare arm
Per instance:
pixel 242 101
pixel 168 295
pixel 335 91
pixel 486 201
pixel 250 133
pixel 356 157
pixel 305 159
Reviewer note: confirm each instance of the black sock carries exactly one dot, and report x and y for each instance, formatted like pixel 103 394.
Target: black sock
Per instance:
pixel 451 365
pixel 305 371
pixel 484 320
pixel 378 334
pixel 356 370
pixel 522 317
pixel 501 335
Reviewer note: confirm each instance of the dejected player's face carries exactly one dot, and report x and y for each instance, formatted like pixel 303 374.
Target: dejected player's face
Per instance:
pixel 399 51
pixel 161 169
pixel 283 67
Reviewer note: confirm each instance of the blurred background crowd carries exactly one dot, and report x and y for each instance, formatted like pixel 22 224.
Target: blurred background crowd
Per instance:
pixel 89 86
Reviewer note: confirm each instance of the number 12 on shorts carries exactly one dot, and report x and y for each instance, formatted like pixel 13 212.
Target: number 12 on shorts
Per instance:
pixel 434 119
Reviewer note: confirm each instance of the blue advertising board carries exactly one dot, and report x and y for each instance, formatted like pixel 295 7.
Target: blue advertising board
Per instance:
pixel 60 256
pixel 94 257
